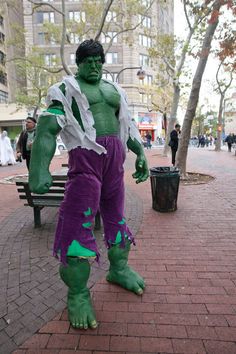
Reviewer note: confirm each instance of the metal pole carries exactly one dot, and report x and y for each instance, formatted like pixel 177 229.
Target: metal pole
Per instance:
pixel 118 74
pixel 108 72
pixel 133 67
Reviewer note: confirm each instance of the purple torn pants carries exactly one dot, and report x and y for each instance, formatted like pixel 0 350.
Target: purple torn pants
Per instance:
pixel 94 182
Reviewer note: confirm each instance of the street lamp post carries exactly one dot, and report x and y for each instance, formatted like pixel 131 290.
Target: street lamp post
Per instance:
pixel 140 73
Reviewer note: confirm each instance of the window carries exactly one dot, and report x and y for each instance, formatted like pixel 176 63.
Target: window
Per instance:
pixel 142 98
pixel 161 19
pixel 146 21
pixel 145 98
pixel 144 60
pixel 77 16
pixel 72 58
pixel 3 97
pixel 106 38
pixel 41 38
pixel 74 38
pixel 2 37
pixel 147 80
pixel 43 79
pixel 145 41
pixel 3 78
pixel 50 59
pixel 146 3
pixel 167 27
pixel 2 58
pixel 45 38
pixel 50 39
pixel 112 58
pixel 111 16
pixel 43 17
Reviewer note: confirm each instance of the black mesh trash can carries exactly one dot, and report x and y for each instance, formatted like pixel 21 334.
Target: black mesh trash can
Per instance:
pixel 165 187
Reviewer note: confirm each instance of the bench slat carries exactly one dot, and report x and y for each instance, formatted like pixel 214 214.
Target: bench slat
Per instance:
pixel 43 197
pixel 48 203
pixel 50 192
pixel 55 184
pixel 53 198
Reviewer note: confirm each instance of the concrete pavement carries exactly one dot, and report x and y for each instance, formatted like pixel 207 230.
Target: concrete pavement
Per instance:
pixel 187 258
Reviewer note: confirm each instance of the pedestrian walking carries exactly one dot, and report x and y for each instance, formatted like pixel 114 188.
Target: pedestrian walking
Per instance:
pixel 229 140
pixel 148 140
pixel 174 142
pixel 25 141
pixel 6 152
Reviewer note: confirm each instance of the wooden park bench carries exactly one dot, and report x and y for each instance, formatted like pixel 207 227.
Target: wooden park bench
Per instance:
pixel 53 198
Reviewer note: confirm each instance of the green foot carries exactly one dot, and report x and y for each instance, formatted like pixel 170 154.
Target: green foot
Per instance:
pixel 128 279
pixel 80 310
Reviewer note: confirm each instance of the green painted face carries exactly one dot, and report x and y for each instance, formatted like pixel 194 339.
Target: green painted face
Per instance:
pixel 90 69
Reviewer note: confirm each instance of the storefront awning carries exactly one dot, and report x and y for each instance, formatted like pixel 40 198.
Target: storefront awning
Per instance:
pixel 146 126
pixel 10 115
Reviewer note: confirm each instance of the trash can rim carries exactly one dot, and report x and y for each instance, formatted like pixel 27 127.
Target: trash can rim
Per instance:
pixel 164 169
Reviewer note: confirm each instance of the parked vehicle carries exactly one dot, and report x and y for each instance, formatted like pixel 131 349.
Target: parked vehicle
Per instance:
pixel 60 144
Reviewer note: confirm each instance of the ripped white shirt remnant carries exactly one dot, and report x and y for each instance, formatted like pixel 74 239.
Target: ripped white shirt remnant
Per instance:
pixel 72 134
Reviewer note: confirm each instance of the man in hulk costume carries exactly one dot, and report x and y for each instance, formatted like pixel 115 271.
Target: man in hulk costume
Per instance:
pixel 92 117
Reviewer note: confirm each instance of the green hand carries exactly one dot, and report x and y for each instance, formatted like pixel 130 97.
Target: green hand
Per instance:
pixel 141 166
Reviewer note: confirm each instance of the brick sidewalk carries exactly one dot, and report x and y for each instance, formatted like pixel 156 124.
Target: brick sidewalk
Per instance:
pixel 31 292
pixel 187 258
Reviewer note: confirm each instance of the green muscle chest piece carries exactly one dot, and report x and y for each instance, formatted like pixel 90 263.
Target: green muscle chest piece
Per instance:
pixel 103 97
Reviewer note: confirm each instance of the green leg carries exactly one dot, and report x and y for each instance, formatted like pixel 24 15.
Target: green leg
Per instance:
pixel 80 310
pixel 119 271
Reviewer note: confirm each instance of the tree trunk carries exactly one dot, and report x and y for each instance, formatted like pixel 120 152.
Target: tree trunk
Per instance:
pixel 176 87
pixel 63 39
pixel 194 94
pixel 172 120
pixel 219 129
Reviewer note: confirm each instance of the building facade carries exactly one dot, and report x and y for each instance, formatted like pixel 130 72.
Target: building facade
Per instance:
pixel 127 52
pixel 11 20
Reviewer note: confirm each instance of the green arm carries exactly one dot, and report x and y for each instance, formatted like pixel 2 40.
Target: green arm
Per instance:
pixel 43 150
pixel 141 164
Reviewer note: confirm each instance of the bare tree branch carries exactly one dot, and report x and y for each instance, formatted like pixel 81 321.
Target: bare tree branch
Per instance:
pixel 186 15
pixel 225 85
pixel 217 76
pixel 122 30
pixel 35 65
pixel 129 29
pixel 38 4
pixel 103 19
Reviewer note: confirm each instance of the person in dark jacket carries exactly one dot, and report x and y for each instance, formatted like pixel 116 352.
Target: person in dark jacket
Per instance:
pixel 148 140
pixel 25 141
pixel 174 142
pixel 229 140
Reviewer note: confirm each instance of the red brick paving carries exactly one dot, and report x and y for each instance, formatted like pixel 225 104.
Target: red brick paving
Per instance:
pixel 188 260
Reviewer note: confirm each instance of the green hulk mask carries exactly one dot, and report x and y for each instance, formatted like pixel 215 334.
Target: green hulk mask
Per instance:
pixel 90 69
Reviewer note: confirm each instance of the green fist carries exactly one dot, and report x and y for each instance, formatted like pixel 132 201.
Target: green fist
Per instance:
pixel 141 167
